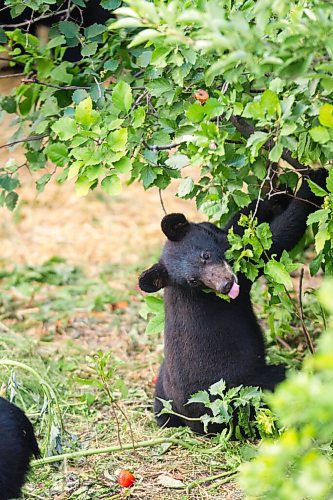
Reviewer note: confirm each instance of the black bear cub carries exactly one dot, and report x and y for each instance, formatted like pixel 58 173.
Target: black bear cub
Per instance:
pixel 206 337
pixel 17 445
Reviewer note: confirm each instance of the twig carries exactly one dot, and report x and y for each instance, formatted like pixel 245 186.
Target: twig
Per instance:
pixel 115 406
pixel 161 201
pixel 54 86
pixel 266 178
pixel 26 139
pixel 223 481
pixel 109 449
pixel 29 80
pixel 229 474
pixel 305 331
pixel 28 22
pixel 276 193
pixel 284 343
pixel 11 75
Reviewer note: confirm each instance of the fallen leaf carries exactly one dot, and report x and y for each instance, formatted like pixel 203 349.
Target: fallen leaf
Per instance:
pixel 170 482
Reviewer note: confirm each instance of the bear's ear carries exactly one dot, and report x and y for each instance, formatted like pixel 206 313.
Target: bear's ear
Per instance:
pixel 174 226
pixel 155 278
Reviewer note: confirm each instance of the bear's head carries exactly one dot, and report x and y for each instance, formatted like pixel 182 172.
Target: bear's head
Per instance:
pixel 192 257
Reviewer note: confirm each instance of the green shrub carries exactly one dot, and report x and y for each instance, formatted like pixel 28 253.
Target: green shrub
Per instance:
pixel 300 463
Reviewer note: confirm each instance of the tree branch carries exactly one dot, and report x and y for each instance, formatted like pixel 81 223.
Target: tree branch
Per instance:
pixel 305 331
pixel 11 75
pixel 32 79
pixel 33 21
pixel 26 139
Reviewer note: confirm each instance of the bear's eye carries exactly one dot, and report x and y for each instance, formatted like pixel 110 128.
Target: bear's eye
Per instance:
pixel 204 256
pixel 193 281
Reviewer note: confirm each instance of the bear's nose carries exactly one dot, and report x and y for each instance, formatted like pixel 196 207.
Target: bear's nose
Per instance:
pixel 226 285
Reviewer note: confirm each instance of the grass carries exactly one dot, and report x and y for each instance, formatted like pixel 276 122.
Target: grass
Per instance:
pixel 61 324
pixel 88 386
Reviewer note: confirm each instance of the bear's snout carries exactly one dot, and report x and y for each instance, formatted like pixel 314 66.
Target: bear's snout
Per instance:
pixel 218 277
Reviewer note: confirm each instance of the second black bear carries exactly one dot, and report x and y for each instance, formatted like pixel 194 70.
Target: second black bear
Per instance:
pixel 206 337
pixel 17 445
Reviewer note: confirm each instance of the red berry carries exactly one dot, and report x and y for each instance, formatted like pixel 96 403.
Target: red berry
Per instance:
pixel 126 479
pixel 154 380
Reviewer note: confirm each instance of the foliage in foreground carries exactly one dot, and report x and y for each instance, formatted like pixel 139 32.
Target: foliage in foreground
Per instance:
pixel 242 410
pixel 300 463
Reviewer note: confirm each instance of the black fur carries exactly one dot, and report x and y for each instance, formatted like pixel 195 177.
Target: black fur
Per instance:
pixel 208 338
pixel 17 445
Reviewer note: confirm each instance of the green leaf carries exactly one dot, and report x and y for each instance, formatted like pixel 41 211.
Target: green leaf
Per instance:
pixel 117 140
pixel 3 37
pixel 111 185
pixel 316 263
pixel 40 183
pixel 79 95
pixel 321 237
pixel 65 128
pixel 276 152
pixel 55 42
pixel 259 168
pixel 83 112
pixel 94 30
pixel 329 181
pixel 94 171
pixel 155 304
pixel 123 166
pixel 122 96
pixel 147 176
pixel 69 29
pixel 89 49
pixel 57 153
pixel 326 115
pixel 319 134
pixel 199 397
pixel 218 388
pixel 255 142
pixel 278 273
pixel 241 199
pixel 60 74
pixel 8 183
pixel 155 325
pixel 11 200
pixel 270 103
pixel 177 161
pixel 185 187
pixel 145 36
pixel 159 86
pixel 8 103
pixel 139 116
pixel 111 65
pixel 36 160
pixel 82 185
pixel 317 190
pixel 110 4
pixel 320 216
pixel 195 112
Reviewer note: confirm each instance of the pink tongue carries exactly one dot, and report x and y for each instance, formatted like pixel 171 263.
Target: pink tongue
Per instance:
pixel 234 291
